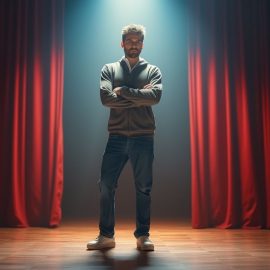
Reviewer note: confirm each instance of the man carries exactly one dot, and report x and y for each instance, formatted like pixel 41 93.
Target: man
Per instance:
pixel 128 87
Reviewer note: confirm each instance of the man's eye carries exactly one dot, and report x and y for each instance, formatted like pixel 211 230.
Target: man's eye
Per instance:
pixel 133 42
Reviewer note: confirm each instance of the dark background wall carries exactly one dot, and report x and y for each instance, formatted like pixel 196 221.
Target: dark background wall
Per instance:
pixel 92 38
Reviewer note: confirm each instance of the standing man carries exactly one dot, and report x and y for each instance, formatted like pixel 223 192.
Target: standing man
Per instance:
pixel 129 87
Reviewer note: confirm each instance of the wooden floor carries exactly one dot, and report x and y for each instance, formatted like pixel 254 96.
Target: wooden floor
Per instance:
pixel 177 246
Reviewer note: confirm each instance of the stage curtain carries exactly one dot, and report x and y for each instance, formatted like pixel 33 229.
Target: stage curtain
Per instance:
pixel 229 103
pixel 31 98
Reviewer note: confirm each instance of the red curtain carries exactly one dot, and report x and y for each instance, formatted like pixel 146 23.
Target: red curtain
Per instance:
pixel 31 98
pixel 229 100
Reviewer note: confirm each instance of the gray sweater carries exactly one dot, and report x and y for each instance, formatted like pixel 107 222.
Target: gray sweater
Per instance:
pixel 130 113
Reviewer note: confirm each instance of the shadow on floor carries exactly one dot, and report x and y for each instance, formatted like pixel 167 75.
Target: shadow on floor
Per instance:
pixel 110 260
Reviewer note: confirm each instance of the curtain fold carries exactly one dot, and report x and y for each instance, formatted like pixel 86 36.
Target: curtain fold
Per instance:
pixel 229 102
pixel 31 98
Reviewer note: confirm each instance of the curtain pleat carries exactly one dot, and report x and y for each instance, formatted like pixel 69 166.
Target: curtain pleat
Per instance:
pixel 31 101
pixel 229 113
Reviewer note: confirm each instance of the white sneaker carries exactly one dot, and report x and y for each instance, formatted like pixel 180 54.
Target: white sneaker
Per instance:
pixel 145 244
pixel 101 242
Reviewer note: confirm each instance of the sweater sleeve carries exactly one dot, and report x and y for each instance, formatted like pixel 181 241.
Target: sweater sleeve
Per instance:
pixel 107 96
pixel 145 97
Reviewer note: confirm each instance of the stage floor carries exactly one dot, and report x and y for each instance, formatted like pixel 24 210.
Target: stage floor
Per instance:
pixel 177 246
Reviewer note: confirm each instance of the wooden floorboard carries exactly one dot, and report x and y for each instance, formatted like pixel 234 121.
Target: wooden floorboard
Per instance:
pixel 177 246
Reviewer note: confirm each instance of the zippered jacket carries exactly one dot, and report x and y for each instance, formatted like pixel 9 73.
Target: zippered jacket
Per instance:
pixel 130 112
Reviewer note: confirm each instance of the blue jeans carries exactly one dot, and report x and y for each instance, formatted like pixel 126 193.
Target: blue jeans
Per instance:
pixel 139 150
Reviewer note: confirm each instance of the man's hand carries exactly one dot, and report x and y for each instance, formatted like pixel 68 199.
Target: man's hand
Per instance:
pixel 117 90
pixel 148 86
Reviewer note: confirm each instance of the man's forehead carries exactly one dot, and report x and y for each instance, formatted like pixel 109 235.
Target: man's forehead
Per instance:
pixel 133 36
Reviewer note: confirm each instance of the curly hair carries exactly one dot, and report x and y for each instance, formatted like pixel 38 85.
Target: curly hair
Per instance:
pixel 133 28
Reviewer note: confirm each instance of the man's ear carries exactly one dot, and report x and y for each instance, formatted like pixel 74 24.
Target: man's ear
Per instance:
pixel 122 44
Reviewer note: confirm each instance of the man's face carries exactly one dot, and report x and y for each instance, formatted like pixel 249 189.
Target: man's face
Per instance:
pixel 132 45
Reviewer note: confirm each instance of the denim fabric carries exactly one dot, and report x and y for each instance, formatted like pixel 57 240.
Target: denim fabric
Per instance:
pixel 120 149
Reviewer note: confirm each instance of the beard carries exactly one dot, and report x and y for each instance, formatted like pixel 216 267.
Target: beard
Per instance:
pixel 132 53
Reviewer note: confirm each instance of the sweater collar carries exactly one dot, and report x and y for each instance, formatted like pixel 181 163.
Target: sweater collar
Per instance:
pixel 140 61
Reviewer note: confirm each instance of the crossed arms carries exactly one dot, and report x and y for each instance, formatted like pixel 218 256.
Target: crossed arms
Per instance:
pixel 126 97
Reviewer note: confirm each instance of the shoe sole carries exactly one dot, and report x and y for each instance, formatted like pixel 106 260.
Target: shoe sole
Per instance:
pixel 145 248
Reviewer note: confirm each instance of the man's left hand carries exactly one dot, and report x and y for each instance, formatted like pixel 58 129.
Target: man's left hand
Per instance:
pixel 117 90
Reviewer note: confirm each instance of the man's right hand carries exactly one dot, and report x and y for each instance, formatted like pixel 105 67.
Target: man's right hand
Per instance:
pixel 148 86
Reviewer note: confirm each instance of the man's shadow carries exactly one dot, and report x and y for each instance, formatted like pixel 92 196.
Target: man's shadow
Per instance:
pixel 131 262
